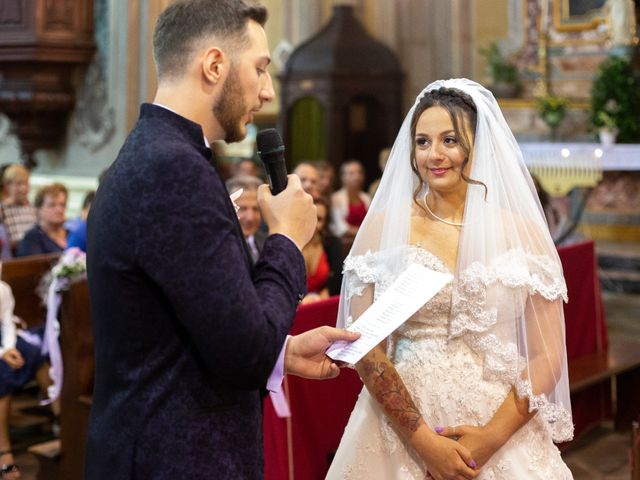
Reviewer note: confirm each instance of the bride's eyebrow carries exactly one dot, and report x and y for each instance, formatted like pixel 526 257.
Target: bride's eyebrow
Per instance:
pixel 446 132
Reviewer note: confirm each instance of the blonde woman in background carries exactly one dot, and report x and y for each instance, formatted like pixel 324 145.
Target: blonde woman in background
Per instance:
pixel 16 213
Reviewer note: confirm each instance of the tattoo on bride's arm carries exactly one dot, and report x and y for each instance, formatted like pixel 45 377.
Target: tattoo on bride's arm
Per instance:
pixel 392 395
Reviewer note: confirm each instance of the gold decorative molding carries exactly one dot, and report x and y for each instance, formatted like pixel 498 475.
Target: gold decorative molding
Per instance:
pixel 562 17
pixel 577 42
pixel 531 103
pixel 613 233
pixel 566 29
pixel 133 64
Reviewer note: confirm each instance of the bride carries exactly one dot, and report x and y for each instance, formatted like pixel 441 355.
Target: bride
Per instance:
pixel 474 385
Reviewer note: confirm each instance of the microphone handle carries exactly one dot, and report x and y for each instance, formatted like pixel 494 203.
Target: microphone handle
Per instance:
pixel 276 169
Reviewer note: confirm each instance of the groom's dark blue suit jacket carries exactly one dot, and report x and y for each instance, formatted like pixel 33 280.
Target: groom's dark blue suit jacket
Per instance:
pixel 186 332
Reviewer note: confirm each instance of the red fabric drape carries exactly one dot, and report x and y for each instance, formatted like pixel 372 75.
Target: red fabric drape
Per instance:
pixel 319 410
pixel 586 329
pixel 584 314
pixel 275 444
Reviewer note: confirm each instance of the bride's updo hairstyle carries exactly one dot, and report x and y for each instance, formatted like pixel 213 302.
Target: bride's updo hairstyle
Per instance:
pixel 463 114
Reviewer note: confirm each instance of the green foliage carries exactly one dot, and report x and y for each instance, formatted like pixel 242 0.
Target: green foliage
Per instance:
pixel 552 109
pixel 615 99
pixel 500 70
pixel 606 120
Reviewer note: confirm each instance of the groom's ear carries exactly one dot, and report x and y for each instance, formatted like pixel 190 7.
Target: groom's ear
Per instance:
pixel 214 65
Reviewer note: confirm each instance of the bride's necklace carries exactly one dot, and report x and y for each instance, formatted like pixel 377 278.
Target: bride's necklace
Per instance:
pixel 455 224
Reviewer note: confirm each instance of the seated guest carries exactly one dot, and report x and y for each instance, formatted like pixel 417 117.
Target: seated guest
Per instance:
pixel 48 235
pixel 5 245
pixel 78 235
pixel 323 258
pixel 309 178
pixel 349 204
pixel 245 167
pixel 16 213
pixel 249 212
pixel 383 156
pixel 3 190
pixel 325 177
pixel 20 362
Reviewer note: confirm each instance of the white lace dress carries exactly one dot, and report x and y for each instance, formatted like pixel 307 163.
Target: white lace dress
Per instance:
pixel 445 378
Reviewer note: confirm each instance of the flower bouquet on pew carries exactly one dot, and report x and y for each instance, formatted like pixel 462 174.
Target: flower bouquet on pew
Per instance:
pixel 71 266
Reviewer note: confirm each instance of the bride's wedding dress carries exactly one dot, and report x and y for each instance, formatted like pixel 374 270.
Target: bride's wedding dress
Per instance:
pixel 449 385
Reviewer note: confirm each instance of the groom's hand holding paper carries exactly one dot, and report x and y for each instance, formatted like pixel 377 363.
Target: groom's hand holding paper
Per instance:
pixel 410 291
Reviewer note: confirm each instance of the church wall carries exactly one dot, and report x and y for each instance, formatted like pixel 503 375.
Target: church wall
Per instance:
pixel 109 93
pixel 491 23
pixel 433 39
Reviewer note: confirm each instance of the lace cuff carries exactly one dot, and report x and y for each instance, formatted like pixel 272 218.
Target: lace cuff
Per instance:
pixel 557 418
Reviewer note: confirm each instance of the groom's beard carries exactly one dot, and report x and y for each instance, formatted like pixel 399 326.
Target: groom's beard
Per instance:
pixel 230 108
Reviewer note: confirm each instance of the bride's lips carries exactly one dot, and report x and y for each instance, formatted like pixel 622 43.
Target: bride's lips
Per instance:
pixel 439 171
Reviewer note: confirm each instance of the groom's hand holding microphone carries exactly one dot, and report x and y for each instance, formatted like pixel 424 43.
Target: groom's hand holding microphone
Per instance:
pixel 289 211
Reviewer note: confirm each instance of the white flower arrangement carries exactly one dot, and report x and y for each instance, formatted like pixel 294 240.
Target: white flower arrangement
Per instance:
pixel 72 265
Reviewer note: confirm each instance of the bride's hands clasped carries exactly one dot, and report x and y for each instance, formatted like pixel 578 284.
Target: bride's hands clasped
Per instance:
pixel 446 459
pixel 477 440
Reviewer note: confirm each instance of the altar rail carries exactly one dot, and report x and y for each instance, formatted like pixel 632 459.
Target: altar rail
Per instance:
pixel 561 167
pixel 559 154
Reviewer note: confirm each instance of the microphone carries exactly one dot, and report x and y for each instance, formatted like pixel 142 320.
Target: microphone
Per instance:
pixel 271 152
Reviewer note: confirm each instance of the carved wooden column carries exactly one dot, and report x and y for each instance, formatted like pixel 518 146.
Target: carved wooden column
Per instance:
pixel 42 44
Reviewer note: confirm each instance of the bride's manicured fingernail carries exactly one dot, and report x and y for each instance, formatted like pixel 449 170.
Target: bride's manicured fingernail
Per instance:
pixel 439 429
pixel 473 463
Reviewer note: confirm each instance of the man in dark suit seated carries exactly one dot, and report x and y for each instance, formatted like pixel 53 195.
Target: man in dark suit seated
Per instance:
pixel 187 331
pixel 249 211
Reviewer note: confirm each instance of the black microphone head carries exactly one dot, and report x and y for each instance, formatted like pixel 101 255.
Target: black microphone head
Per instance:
pixel 269 141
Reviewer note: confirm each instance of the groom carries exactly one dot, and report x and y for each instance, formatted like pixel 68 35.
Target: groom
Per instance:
pixel 186 330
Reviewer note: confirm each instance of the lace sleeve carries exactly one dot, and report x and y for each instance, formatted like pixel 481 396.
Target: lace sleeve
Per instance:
pixel 516 271
pixel 510 313
pixel 359 271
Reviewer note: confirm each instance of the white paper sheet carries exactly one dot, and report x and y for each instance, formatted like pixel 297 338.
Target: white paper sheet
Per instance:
pixel 411 290
pixel 234 196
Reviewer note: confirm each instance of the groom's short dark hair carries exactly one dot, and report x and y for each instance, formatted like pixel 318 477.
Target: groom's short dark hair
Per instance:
pixel 186 22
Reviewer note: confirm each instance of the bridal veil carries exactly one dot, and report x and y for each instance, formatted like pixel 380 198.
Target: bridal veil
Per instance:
pixel 509 287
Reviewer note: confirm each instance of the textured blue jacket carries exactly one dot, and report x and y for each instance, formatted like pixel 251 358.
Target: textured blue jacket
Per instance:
pixel 186 331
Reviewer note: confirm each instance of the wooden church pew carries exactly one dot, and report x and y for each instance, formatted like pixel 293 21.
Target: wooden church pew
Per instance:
pixel 76 343
pixel 619 367
pixel 64 459
pixel 23 275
